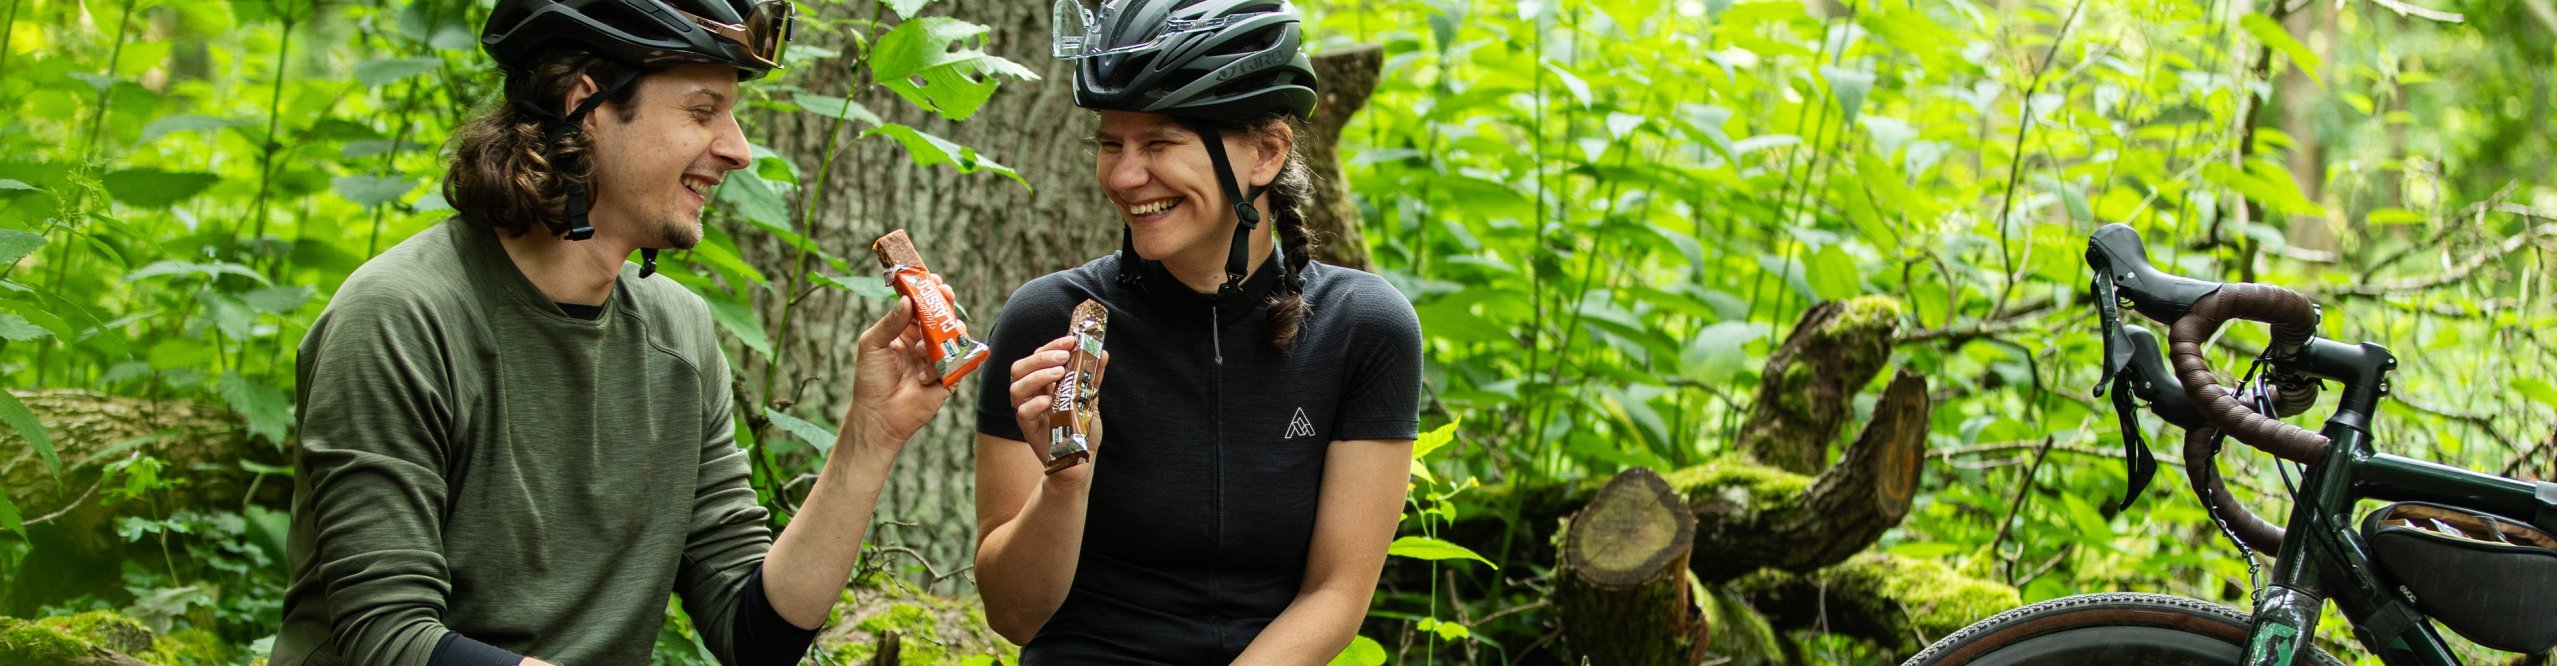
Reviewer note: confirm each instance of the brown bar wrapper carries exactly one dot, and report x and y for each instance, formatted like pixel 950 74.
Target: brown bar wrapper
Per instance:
pixel 1073 409
pixel 954 354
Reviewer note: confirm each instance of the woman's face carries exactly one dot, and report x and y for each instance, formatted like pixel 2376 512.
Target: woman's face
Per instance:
pixel 1157 174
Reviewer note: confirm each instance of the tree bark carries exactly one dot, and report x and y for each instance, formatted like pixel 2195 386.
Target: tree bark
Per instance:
pixel 984 234
pixel 1348 78
pixel 1622 583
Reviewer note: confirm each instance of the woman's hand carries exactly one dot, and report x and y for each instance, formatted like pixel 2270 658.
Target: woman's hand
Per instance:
pixel 895 389
pixel 1034 380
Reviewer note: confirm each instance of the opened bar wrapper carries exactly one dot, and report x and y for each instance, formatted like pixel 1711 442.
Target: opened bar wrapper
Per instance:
pixel 954 354
pixel 1073 408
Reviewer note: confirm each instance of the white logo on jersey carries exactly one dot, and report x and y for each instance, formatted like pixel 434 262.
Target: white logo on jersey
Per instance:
pixel 1299 426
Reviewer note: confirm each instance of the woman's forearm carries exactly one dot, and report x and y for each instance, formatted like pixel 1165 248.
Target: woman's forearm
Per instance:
pixel 1026 565
pixel 1316 626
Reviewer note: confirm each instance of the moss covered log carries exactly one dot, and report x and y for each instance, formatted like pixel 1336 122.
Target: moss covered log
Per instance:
pixel 1899 603
pixel 102 638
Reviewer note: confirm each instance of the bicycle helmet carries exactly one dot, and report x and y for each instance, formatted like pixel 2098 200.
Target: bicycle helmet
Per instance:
pixel 646 34
pixel 1216 60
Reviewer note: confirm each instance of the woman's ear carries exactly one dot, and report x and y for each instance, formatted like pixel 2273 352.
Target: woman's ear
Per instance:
pixel 1271 148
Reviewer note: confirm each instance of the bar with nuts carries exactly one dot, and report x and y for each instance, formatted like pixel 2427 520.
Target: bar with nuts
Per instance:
pixel 1074 407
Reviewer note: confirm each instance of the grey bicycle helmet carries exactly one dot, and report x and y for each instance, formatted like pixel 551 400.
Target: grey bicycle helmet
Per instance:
pixel 1216 60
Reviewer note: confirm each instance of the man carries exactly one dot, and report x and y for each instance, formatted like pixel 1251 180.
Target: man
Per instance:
pixel 513 445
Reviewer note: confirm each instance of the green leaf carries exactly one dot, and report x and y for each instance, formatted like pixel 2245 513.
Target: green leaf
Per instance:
pixel 815 435
pixel 24 422
pixel 15 245
pixel 268 410
pixel 370 191
pixel 927 150
pixel 1833 274
pixel 754 198
pixel 871 289
pixel 2536 389
pixel 1848 87
pixel 10 521
pixel 185 268
pixel 1362 651
pixel 1430 441
pixel 155 189
pixel 905 9
pixel 186 122
pixel 15 184
pixel 16 329
pixel 1425 548
pixel 278 300
pixel 835 107
pixel 740 321
pixel 939 63
pixel 373 73
pixel 2273 35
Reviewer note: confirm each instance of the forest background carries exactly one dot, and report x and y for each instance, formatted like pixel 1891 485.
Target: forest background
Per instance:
pixel 1609 215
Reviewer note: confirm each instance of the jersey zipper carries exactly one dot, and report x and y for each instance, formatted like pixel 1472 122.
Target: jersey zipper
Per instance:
pixel 1216 460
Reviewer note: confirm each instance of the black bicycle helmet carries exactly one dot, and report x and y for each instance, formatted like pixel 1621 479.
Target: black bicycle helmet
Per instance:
pixel 646 34
pixel 746 34
pixel 1216 60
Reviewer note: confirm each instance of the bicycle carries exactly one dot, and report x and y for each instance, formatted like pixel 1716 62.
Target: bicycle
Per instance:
pixel 2465 549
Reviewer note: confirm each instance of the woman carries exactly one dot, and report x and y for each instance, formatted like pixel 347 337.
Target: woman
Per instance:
pixel 1260 406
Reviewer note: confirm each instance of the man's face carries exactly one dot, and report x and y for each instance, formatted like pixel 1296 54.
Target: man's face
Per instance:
pixel 654 173
pixel 1158 175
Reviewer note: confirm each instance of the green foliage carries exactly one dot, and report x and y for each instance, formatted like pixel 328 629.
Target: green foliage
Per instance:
pixel 1607 213
pixel 189 182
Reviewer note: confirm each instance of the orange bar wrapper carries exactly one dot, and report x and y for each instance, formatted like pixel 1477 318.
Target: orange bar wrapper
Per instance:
pixel 954 354
pixel 1073 408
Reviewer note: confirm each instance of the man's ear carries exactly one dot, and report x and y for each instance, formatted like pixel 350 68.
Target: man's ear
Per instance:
pixel 577 94
pixel 1273 148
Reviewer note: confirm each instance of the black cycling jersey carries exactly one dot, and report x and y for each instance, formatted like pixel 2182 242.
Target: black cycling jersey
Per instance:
pixel 1204 487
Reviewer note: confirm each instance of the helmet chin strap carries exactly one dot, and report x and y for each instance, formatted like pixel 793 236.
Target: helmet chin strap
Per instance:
pixel 1246 218
pixel 559 127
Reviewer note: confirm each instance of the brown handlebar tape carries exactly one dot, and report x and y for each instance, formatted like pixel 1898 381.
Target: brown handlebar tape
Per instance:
pixel 1073 408
pixel 954 354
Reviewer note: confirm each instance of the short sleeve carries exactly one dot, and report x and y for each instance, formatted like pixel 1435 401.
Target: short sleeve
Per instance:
pixel 1382 400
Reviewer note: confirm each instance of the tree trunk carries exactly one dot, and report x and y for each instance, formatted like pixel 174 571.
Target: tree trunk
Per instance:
pixel 1622 583
pixel 984 234
pixel 1347 77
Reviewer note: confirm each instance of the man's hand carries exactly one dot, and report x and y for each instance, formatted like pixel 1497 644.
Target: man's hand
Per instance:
pixel 1034 381
pixel 895 389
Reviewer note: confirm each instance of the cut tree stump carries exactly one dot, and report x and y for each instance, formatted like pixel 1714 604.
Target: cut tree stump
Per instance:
pixel 1622 584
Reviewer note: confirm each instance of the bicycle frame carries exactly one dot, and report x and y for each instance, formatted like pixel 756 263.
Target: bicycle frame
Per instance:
pixel 2325 556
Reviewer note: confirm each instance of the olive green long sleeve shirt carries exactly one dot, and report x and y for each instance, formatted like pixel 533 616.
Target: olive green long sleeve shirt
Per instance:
pixel 474 460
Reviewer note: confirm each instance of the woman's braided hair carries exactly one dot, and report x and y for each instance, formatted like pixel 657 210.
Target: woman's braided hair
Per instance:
pixel 1291 193
pixel 504 173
